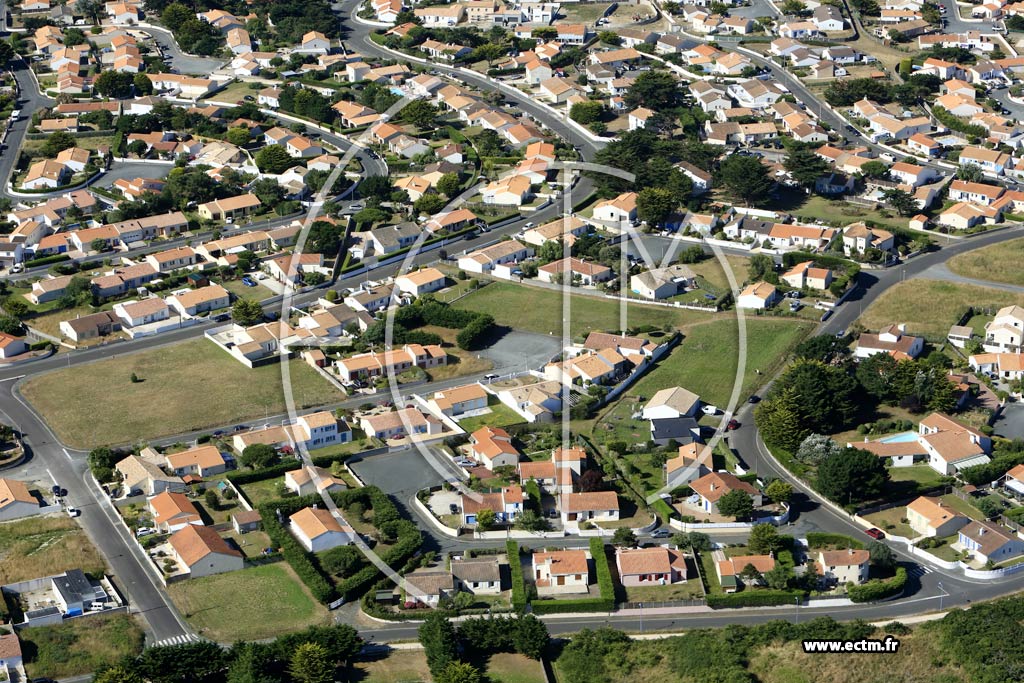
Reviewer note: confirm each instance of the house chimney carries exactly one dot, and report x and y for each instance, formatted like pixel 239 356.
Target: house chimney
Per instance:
pixel 981 530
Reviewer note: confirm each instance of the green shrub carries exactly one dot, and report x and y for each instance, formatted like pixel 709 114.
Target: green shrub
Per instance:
pixel 604 572
pixel 46 260
pixel 821 539
pixel 239 477
pixel 569 606
pixel 663 509
pixel 754 598
pixel 878 588
pixel 518 581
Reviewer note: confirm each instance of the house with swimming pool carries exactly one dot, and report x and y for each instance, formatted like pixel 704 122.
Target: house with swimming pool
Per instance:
pixel 947 445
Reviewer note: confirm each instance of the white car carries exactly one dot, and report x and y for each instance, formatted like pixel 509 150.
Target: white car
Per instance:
pixel 709 410
pixel 529 225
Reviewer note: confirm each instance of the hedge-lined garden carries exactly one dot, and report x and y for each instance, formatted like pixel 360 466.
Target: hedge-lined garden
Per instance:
pixel 878 589
pixel 402 534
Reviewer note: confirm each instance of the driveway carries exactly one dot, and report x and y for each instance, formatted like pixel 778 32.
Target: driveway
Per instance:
pixel 1010 423
pixel 403 471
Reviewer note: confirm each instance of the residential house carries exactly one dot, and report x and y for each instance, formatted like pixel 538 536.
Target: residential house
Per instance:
pixel 662 283
pixel 731 571
pixel 312 479
pixel 561 571
pixel 952 445
pixel 650 566
pixel 806 275
pixel 931 517
pixel 477 575
pixel 1004 332
pixel 671 403
pixel 844 566
pixel 16 500
pixel 892 340
pixel 711 487
pixel 173 511
pixel 195 302
pixel 989 542
pixel 142 476
pixel 202 461
pixel 595 506
pixel 203 552
pixel 460 400
pixel 506 504
pixel 759 295
pixel 318 530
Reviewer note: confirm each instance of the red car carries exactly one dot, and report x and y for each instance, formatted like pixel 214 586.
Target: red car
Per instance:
pixel 733 424
pixel 876 534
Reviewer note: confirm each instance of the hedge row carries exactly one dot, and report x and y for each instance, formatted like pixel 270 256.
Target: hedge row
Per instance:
pixel 604 573
pixel 239 477
pixel 46 260
pixel 754 598
pixel 820 539
pixel 385 518
pixel 663 509
pixel 518 582
pixel 878 589
pixel 568 606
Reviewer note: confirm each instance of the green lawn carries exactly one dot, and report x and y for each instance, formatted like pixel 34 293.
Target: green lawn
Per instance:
pixel 260 492
pixel 890 522
pixel 998 263
pixel 843 213
pixel 962 506
pixel 709 572
pixel 945 551
pixel 80 646
pixel 924 475
pixel 185 387
pixel 500 416
pixel 221 607
pixel 931 307
pixel 705 362
pixel 540 310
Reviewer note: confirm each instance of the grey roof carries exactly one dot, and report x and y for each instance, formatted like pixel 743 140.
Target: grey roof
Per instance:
pixel 477 569
pixel 682 429
pixel 73 585
pixel 392 235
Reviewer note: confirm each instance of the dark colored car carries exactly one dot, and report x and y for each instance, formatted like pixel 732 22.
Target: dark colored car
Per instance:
pixel 733 424
pixel 874 533
pixel 754 399
pixel 55 489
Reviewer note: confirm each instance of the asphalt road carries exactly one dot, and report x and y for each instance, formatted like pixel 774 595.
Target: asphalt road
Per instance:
pixel 148 598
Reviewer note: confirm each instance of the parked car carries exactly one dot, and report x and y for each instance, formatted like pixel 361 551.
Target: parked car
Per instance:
pixel 221 318
pixel 74 512
pixel 55 489
pixel 733 425
pixel 453 508
pixel 248 281
pixel 144 531
pixel 754 398
pixel 874 533
pixel 709 410
pixel 661 533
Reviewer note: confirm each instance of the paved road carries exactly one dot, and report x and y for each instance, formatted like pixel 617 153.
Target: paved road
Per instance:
pixel 134 574
pixel 181 62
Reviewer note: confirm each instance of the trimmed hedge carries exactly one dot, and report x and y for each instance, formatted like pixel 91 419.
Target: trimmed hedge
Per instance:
pixel 306 565
pixel 604 572
pixel 46 260
pixel 569 606
pixel 754 598
pixel 879 588
pixel 819 539
pixel 516 568
pixel 239 477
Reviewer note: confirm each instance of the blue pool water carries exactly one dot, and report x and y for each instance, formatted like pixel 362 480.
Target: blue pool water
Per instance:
pixel 902 437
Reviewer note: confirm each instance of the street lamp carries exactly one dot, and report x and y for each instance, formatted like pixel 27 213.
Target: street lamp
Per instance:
pixel 941 595
pixel 641 617
pixel 796 601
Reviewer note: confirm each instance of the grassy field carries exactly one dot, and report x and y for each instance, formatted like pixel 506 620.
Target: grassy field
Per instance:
pixel 460 362
pixel 712 271
pixel 500 416
pixel 919 659
pixel 540 310
pixel 705 362
pixel 930 307
pixel 890 522
pixel 410 666
pixel 962 506
pixel 185 387
pixel 43 546
pixel 220 607
pixel 80 646
pixel 998 263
